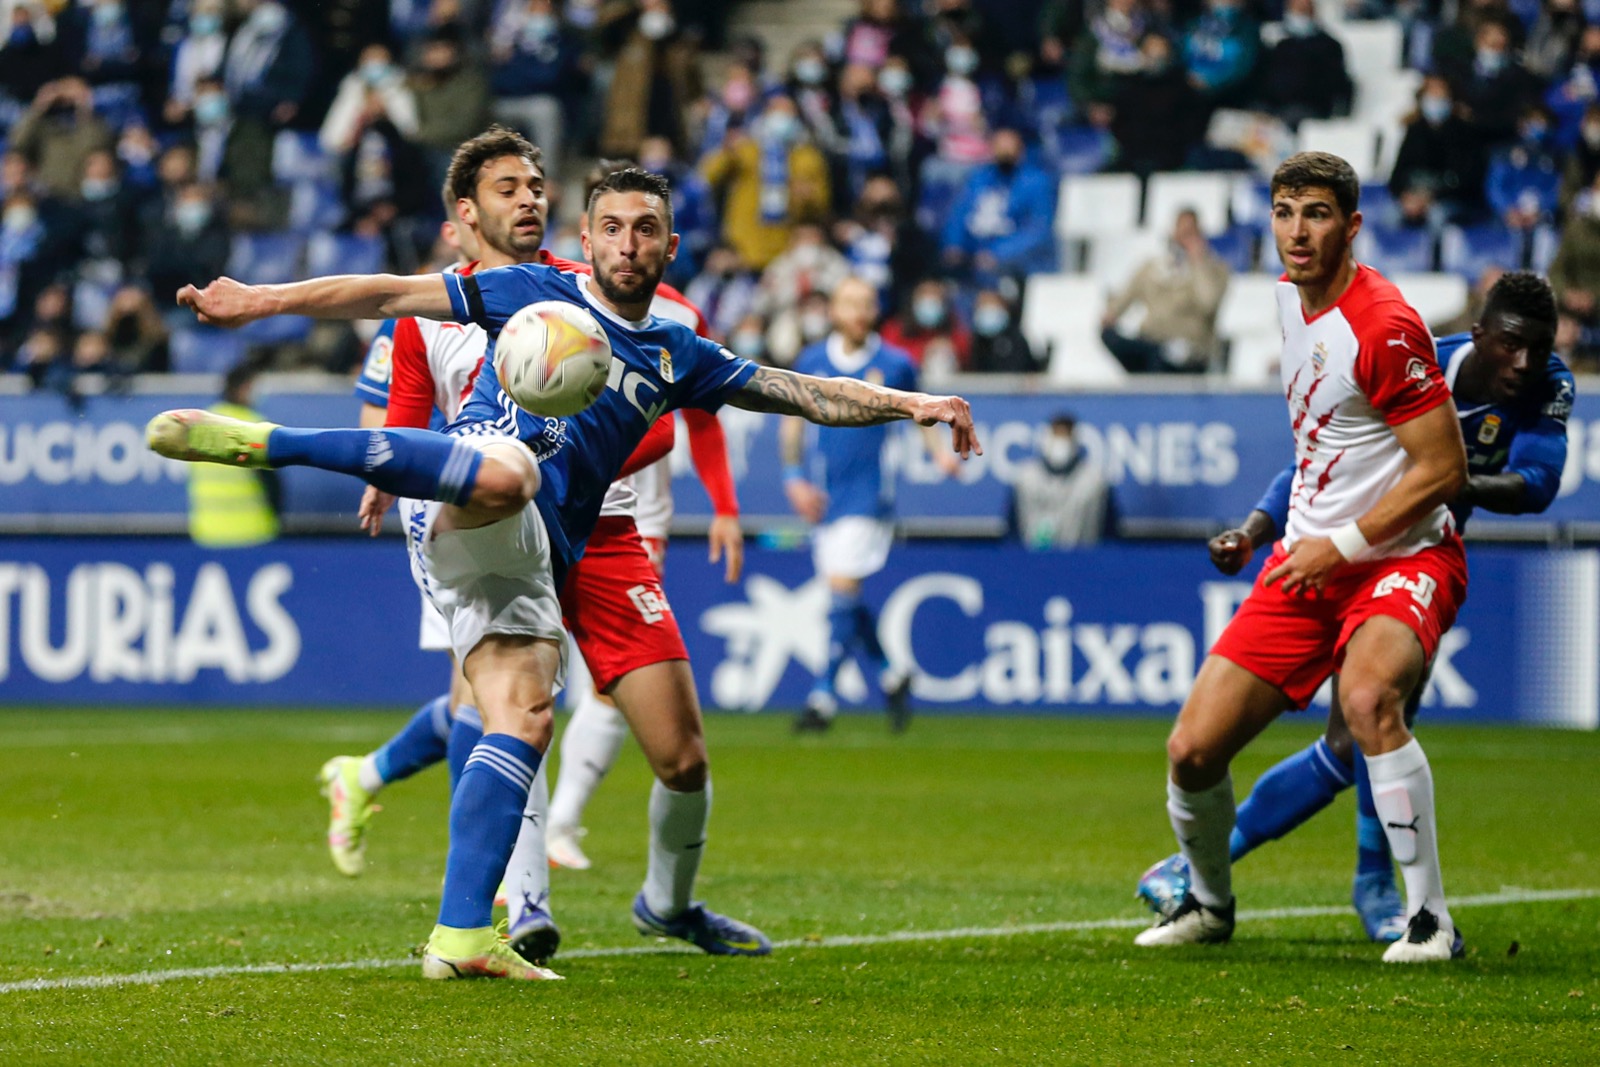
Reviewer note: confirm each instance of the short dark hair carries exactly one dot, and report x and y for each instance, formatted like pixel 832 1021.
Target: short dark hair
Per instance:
pixel 238 379
pixel 472 156
pixel 598 173
pixel 633 180
pixel 1524 294
pixel 1064 418
pixel 1307 170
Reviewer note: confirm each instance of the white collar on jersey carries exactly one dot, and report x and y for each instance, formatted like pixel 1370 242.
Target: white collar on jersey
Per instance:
pixel 627 324
pixel 1452 371
pixel 851 362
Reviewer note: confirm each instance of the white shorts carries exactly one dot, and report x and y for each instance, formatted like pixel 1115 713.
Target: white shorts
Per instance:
pixel 491 580
pixel 435 636
pixel 855 546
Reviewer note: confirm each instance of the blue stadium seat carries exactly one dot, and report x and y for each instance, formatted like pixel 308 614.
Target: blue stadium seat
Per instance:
pixel 278 330
pixel 297 156
pixel 1377 204
pixel 1467 250
pixel 205 350
pixel 1080 149
pixel 314 205
pixel 1236 246
pixel 1251 204
pixel 344 253
pixel 1542 249
pixel 266 258
pixel 942 182
pixel 1392 248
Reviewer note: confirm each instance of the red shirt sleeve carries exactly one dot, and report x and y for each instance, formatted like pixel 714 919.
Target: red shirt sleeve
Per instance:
pixel 1397 366
pixel 656 443
pixel 708 447
pixel 411 388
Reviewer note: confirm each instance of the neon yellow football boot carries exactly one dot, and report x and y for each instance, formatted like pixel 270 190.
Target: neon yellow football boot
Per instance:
pixel 480 953
pixel 196 436
pixel 350 808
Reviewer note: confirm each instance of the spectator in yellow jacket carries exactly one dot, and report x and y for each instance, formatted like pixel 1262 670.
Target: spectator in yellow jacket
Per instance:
pixel 773 178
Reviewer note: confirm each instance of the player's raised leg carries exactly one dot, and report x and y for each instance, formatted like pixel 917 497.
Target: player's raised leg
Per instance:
pixel 1384 662
pixel 1227 707
pixel 351 782
pixel 589 746
pixel 661 706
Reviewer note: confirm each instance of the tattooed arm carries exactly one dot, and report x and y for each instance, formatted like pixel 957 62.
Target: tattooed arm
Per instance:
pixel 850 402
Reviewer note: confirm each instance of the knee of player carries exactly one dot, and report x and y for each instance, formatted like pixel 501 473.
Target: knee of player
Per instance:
pixel 504 485
pixel 685 773
pixel 1367 703
pixel 1190 758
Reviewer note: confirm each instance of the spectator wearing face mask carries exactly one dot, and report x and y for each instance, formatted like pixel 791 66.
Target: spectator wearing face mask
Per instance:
pixel 452 99
pixel 58 132
pixel 953 116
pixel 1576 87
pixel 200 54
pixel 810 85
pixel 1003 221
pixel 1111 49
pixel 771 178
pixel 1496 89
pixel 657 77
pixel 1061 499
pixel 726 292
pixel 375 92
pixel 1180 291
pixel 1303 75
pixel 112 46
pixel 809 265
pixel 884 246
pixel 734 104
pixel 537 74
pixel 1441 163
pixel 1159 87
pixel 24 246
pixel 789 333
pixel 191 245
pixel 1525 180
pixel 748 338
pixel 1554 38
pixel 30 55
pixel 1220 49
pixel 998 345
pixel 882 30
pixel 105 214
pixel 928 328
pixel 903 102
pixel 135 334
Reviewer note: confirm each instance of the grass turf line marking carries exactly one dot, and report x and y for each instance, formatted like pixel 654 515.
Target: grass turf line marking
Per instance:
pixel 111 981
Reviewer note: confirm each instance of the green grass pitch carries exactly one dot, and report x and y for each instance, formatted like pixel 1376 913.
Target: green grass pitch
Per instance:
pixel 141 842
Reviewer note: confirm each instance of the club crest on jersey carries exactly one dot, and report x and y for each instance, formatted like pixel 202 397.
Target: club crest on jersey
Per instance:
pixel 1417 371
pixel 1489 430
pixel 666 366
pixel 1319 357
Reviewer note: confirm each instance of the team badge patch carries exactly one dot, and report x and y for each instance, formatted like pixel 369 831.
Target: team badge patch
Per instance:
pixel 1417 371
pixel 666 366
pixel 1319 357
pixel 1489 430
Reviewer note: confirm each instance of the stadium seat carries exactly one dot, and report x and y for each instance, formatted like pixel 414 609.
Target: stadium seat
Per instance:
pixel 1250 201
pixel 1396 248
pixel 1081 149
pixel 266 258
pixel 297 156
pixel 1248 323
pixel 1354 139
pixel 1061 313
pixel 344 253
pixel 314 205
pixel 1438 297
pixel 206 350
pixel 1236 246
pixel 1112 259
pixel 1169 193
pixel 1467 250
pixel 1377 204
pixel 1089 205
pixel 1542 248
pixel 1373 56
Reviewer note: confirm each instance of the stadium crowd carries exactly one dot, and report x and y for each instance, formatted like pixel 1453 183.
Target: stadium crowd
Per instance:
pixel 149 145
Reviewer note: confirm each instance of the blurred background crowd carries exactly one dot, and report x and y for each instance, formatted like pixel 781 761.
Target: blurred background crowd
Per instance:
pixel 922 144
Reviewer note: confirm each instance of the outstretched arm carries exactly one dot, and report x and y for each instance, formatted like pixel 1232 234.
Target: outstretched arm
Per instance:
pixel 226 302
pixel 850 402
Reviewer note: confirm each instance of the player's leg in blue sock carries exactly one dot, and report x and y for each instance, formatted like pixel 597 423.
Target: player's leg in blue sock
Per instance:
pixel 412 463
pixel 421 743
pixel 485 815
pixel 866 630
pixel 1372 844
pixel 465 733
pixel 1287 795
pixel 841 638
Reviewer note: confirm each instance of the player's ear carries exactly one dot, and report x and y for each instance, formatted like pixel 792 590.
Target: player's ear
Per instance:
pixel 583 236
pixel 672 247
pixel 467 211
pixel 1355 225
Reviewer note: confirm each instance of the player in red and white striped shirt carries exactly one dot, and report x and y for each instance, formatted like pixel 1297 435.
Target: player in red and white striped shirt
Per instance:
pixel 1368 576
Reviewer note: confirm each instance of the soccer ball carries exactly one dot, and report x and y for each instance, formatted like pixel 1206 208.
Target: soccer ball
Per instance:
pixel 552 358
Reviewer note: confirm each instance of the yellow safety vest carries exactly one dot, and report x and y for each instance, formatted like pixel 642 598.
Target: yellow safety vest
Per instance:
pixel 228 506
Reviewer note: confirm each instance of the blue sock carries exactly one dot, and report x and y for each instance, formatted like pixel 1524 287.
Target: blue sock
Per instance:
pixel 420 743
pixel 841 635
pixel 465 732
pixel 1287 795
pixel 1372 844
pixel 485 815
pixel 866 630
pixel 419 464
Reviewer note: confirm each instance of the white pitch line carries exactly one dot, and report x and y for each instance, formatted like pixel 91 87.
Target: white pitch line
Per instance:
pixel 898 937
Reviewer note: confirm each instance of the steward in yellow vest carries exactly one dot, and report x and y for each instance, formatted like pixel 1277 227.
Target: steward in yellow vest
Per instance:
pixel 230 507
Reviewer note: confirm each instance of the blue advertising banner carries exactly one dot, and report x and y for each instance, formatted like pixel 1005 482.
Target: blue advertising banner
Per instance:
pixel 157 621
pixel 1199 458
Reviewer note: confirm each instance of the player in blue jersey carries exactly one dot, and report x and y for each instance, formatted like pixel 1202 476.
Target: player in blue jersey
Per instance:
pixel 846 491
pixel 505 501
pixel 1513 396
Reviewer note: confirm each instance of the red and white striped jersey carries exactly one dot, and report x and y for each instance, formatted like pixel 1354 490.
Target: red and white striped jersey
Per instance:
pixel 1350 373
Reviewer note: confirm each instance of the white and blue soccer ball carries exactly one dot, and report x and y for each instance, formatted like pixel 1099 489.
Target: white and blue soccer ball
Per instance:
pixel 552 358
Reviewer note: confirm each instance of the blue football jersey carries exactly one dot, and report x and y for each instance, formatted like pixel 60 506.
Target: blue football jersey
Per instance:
pixel 1527 436
pixel 656 366
pixel 377 369
pixel 848 462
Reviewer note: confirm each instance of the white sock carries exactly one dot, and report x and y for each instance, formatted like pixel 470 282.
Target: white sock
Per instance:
pixel 528 871
pixel 1402 791
pixel 368 775
pixel 677 840
pixel 1203 822
pixel 589 746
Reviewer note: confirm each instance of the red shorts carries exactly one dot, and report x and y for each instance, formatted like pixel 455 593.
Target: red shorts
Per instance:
pixel 615 607
pixel 1294 641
